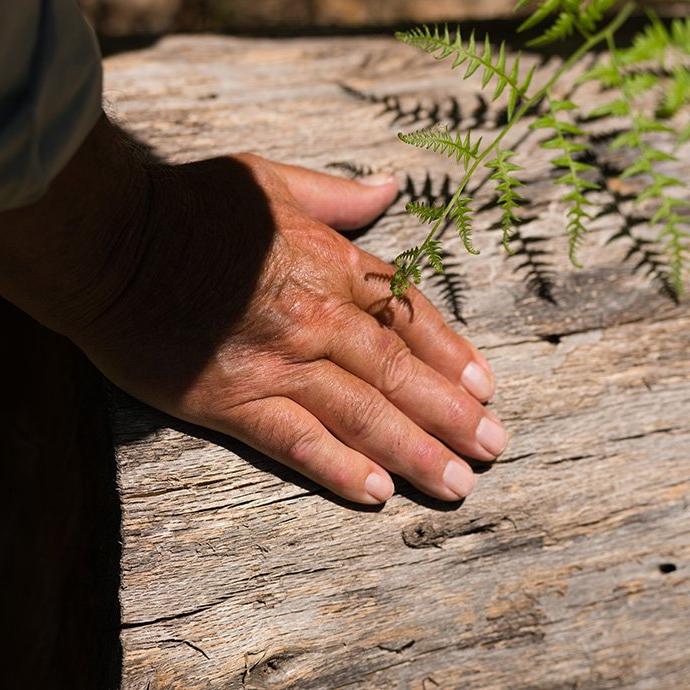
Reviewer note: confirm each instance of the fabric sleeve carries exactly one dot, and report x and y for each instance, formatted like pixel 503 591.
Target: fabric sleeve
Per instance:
pixel 50 93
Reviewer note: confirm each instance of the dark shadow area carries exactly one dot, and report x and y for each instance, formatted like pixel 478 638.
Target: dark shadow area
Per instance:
pixel 112 45
pixel 414 112
pixel 208 233
pixel 60 528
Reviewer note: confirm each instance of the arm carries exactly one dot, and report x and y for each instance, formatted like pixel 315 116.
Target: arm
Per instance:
pixel 217 292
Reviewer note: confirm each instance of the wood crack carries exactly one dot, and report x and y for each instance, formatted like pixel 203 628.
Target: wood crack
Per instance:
pixel 191 645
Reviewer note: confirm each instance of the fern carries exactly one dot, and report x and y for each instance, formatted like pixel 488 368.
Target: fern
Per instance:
pixel 677 93
pixel 460 214
pixel 433 254
pixel 409 265
pixel 654 43
pixel 653 64
pixel 425 212
pixel 408 270
pixel 509 199
pixel 570 16
pixel 659 44
pixel 564 139
pixel 438 139
pixel 444 44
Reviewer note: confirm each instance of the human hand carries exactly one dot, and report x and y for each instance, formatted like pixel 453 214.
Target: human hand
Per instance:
pixel 242 310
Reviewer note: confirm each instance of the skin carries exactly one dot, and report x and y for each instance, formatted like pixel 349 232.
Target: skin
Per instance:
pixel 221 293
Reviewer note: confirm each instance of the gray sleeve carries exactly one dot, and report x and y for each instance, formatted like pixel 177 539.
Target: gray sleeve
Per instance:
pixel 50 93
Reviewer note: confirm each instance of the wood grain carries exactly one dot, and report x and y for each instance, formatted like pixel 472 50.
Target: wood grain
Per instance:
pixel 569 565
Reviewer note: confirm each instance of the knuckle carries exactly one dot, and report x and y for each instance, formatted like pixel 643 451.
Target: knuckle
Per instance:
pixel 458 413
pixel 427 457
pixel 339 477
pixel 397 365
pixel 352 255
pixel 304 446
pixel 339 324
pixel 364 415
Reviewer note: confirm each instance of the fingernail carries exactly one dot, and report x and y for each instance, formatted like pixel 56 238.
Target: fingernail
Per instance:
pixel 381 488
pixel 492 435
pixel 460 480
pixel 483 362
pixel 376 180
pixel 477 381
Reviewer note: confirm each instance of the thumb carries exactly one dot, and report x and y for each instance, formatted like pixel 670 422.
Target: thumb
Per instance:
pixel 335 201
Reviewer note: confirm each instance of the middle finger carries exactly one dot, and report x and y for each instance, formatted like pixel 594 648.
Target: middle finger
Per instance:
pixel 380 357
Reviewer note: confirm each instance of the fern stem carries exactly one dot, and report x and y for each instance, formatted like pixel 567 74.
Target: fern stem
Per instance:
pixel 602 35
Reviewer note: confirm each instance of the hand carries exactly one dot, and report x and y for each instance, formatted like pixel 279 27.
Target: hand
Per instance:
pixel 246 313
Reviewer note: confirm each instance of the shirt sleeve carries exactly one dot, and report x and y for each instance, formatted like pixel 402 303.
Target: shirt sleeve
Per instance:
pixel 50 93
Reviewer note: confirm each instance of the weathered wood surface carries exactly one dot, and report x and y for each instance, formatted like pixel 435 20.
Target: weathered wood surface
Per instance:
pixel 569 566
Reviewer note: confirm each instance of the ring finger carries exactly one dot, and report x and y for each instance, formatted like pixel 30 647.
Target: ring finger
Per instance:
pixel 361 417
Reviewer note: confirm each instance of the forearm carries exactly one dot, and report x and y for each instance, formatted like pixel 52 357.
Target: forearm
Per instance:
pixel 64 258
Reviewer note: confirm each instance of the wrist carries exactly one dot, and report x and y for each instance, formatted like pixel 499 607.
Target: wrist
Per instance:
pixel 64 258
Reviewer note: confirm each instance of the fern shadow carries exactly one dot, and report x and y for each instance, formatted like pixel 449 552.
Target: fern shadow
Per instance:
pixel 648 260
pixel 451 285
pixel 534 268
pixel 383 309
pixel 446 110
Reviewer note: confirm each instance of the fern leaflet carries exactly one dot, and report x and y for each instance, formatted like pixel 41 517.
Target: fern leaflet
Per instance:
pixel 509 199
pixel 440 140
pixel 460 215
pixel 563 137
pixel 570 15
pixel 425 212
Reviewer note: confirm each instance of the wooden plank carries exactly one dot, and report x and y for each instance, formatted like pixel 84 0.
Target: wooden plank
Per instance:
pixel 568 567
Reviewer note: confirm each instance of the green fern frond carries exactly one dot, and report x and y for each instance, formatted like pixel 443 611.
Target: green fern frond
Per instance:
pixel 676 94
pixel 675 240
pixel 432 250
pixel 654 42
pixel 440 140
pixel 542 12
pixel 407 271
pixel 680 34
pixel 406 257
pixel 408 268
pixel 425 212
pixel 592 13
pixel 444 44
pixel 569 16
pixel 562 139
pixel 630 73
pixel 460 214
pixel 509 199
pixel 604 73
pixel 562 28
